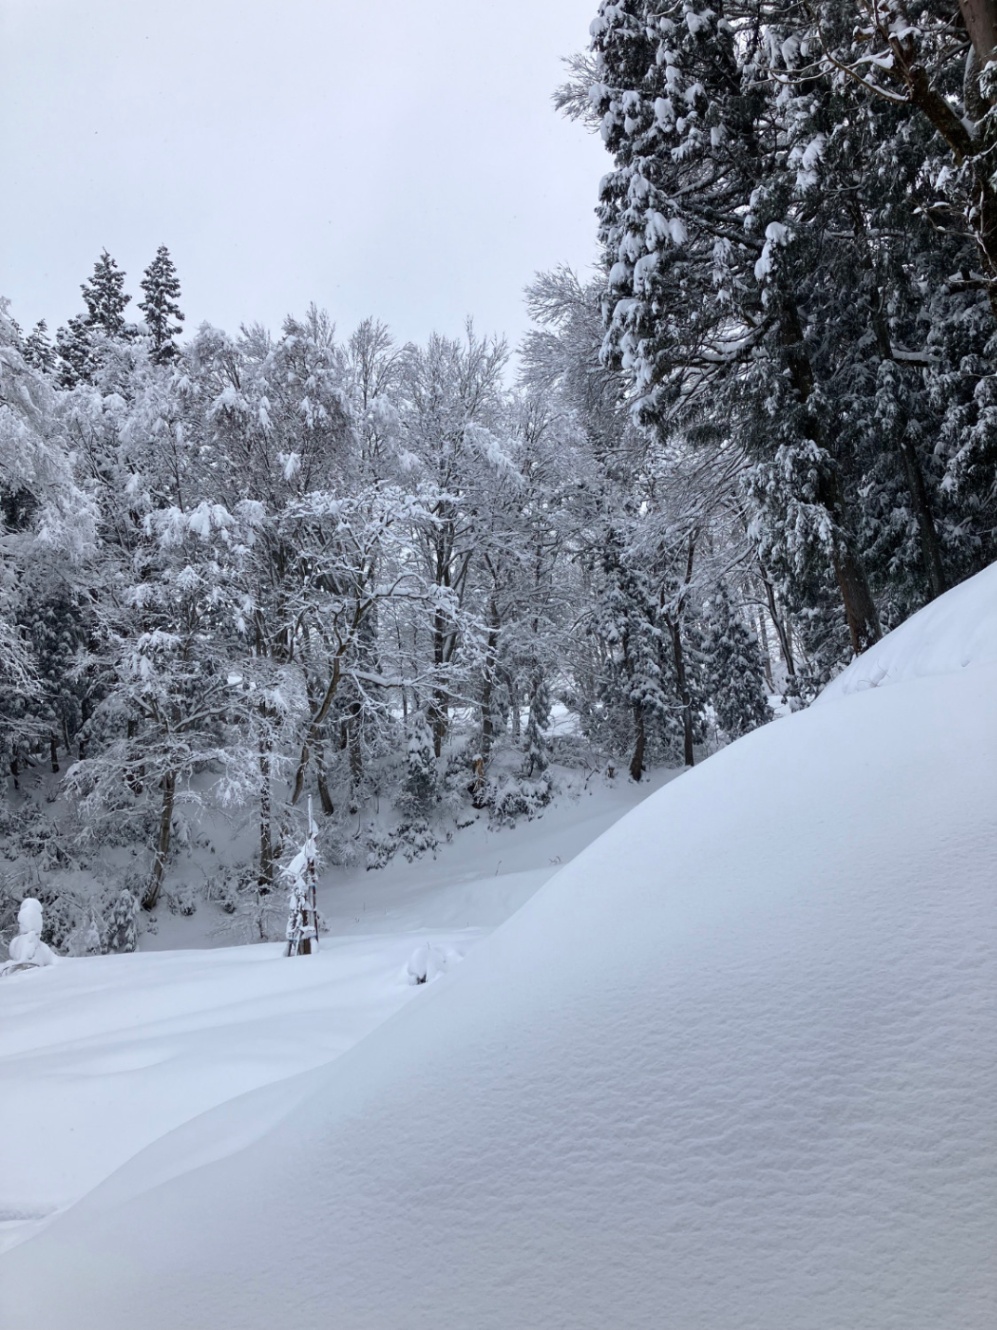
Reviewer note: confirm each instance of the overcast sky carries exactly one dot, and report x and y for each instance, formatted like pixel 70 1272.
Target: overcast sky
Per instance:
pixel 400 159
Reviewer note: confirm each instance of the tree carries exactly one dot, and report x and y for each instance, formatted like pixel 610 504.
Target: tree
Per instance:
pixel 162 312
pixel 735 676
pixel 121 930
pixel 104 297
pixel 38 349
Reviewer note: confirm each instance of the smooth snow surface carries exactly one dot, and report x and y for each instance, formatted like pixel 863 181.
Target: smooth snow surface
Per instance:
pixel 958 629
pixel 733 1068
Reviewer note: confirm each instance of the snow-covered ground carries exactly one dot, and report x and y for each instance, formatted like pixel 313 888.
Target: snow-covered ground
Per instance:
pixel 101 1056
pixel 732 1068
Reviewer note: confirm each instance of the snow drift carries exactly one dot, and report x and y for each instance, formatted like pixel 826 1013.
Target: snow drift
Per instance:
pixel 732 1068
pixel 957 630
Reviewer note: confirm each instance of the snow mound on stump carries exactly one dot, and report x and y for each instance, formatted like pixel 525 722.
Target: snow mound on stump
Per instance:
pixel 958 629
pixel 732 1069
pixel 428 962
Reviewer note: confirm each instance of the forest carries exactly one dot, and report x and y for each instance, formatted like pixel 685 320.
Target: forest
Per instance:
pixel 408 583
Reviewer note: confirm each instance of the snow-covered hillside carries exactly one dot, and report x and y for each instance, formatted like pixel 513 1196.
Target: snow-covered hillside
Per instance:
pixel 733 1067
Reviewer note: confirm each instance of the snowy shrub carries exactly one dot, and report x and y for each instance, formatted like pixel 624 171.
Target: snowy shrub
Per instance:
pixel 417 838
pixel 122 933
pixel 516 797
pixel 412 839
pixel 181 900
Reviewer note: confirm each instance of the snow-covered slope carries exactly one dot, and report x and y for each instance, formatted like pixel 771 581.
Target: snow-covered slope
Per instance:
pixel 957 630
pixel 732 1068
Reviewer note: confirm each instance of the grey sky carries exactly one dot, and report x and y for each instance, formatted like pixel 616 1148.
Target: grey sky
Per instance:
pixel 400 159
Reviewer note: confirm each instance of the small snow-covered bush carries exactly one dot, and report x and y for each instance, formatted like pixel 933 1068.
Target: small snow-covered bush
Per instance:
pixel 122 934
pixel 517 797
pixel 182 900
pixel 410 839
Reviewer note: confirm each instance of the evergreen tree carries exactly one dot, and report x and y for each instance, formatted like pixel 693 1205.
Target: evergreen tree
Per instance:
pixel 38 349
pixel 104 297
pixel 537 745
pixel 74 348
pixel 162 312
pixel 735 676
pixel 121 932
pixel 420 784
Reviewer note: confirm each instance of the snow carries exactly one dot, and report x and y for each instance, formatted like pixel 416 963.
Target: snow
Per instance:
pixel 731 1068
pixel 27 947
pixel 957 630
pixel 111 1053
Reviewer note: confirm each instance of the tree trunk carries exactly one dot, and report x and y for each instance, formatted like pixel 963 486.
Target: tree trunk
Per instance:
pixel 488 681
pixel 640 742
pixel 136 775
pixel 266 870
pixel 931 550
pixel 779 623
pixel 325 797
pixel 437 712
pixel 169 788
pixel 763 641
pixel 980 18
pixel 682 683
pixel 861 614
pixel 53 748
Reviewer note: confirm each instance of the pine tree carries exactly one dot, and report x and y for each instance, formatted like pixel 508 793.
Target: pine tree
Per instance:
pixel 104 297
pixel 162 313
pixel 420 782
pixel 735 676
pixel 38 349
pixel 537 745
pixel 121 932
pixel 75 351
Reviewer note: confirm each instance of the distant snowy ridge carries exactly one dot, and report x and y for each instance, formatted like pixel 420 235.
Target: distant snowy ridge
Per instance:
pixel 958 629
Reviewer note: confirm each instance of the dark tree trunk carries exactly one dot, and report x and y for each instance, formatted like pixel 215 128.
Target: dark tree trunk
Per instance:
pixel 640 742
pixel 53 748
pixel 980 18
pixel 861 614
pixel 682 683
pixel 488 682
pixel 265 876
pixel 931 550
pixel 169 788
pixel 779 623
pixel 325 797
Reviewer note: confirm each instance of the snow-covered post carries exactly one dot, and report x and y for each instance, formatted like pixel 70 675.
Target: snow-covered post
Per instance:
pixel 301 874
pixel 27 949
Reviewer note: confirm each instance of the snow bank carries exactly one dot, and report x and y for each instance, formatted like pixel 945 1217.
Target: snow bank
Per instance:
pixel 958 629
pixel 731 1069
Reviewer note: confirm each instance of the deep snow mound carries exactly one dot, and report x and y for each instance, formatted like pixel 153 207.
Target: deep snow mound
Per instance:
pixel 958 629
pixel 732 1069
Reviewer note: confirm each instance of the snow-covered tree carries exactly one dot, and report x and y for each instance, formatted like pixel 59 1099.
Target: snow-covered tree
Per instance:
pixel 122 932
pixel 734 673
pixel 161 307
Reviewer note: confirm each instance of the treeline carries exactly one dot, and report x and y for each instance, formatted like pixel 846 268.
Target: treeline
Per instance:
pixel 335 567
pixel 282 560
